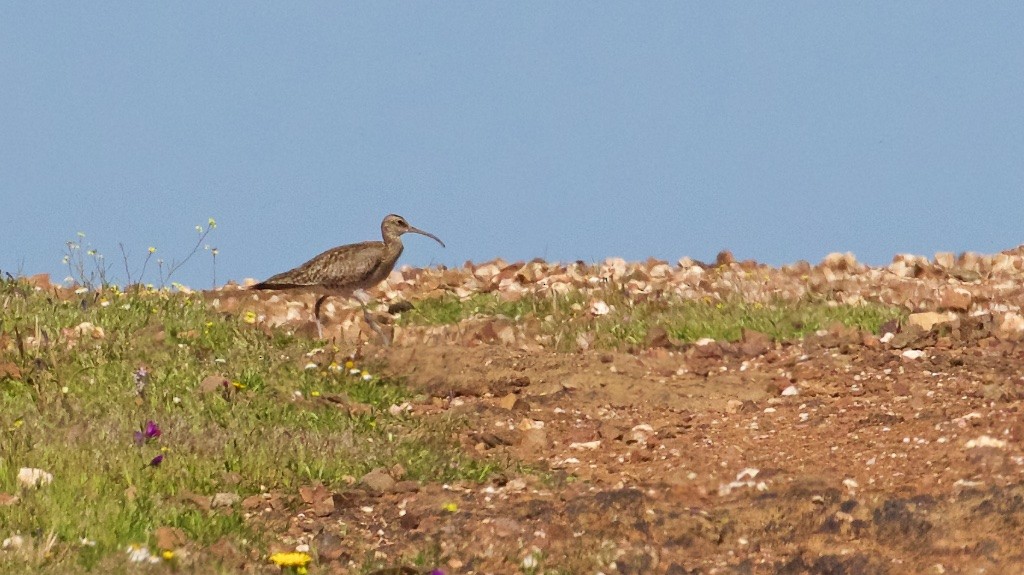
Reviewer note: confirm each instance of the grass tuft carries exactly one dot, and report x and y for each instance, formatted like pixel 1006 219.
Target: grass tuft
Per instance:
pixel 563 318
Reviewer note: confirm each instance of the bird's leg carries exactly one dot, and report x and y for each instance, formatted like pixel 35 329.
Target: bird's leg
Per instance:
pixel 316 314
pixel 364 298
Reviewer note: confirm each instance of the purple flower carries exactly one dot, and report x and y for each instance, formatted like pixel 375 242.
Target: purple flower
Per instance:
pixel 156 461
pixel 149 431
pixel 437 572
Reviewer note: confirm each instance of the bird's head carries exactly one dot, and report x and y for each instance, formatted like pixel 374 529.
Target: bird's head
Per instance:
pixel 394 226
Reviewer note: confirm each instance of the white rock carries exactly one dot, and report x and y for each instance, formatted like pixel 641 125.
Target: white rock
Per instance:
pixel 87 329
pixel 912 354
pixel 791 390
pixel 598 307
pixel 985 441
pixel 1011 324
pixel 31 477
pixel 749 472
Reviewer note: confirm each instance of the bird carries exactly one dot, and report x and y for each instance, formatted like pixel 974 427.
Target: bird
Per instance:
pixel 350 269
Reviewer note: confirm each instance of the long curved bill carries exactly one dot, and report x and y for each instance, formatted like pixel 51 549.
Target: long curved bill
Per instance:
pixel 428 234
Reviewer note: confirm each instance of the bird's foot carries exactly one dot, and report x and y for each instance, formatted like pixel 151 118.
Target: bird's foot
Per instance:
pixel 376 327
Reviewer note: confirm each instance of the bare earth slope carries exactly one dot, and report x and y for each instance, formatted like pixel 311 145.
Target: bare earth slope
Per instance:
pixel 844 452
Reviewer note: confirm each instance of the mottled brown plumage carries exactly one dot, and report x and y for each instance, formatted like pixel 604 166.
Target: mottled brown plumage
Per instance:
pixel 346 270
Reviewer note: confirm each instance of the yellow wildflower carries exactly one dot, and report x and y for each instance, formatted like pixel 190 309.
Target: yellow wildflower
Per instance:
pixel 315 393
pixel 291 559
pixel 249 317
pixel 349 364
pixel 167 555
pixel 152 250
pixel 450 507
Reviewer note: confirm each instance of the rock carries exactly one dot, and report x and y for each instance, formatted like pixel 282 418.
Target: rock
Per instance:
pixel 954 298
pixel 912 354
pixel 755 343
pixel 610 431
pixel 324 507
pixel 214 383
pixel 329 547
pixel 945 259
pixel 225 500
pixel 506 527
pixel 87 329
pixel 929 319
pixel 657 337
pixel 29 477
pixel 790 391
pixel 639 434
pixel 912 335
pixel 1011 326
pixel 533 442
pixel 599 308
pixel 169 538
pixel 840 262
pixel 985 441
pixel 1006 264
pixel 378 480
pixel 40 281
pixel 9 370
pixel 225 553
pixel 512 402
pixel 253 502
pixel 310 494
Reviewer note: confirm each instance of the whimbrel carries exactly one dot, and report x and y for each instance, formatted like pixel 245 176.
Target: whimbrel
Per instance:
pixel 349 270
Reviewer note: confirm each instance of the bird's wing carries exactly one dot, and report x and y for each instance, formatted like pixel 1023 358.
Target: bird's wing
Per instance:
pixel 337 267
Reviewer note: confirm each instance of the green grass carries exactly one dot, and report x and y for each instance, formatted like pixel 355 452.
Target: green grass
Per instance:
pixel 564 317
pixel 74 409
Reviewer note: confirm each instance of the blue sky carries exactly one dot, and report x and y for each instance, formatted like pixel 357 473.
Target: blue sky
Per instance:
pixel 781 131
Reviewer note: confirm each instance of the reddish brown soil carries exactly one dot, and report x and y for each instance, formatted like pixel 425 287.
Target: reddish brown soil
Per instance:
pixel 692 461
pixel 838 454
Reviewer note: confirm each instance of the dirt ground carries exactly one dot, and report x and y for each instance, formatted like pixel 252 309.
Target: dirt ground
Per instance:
pixel 844 453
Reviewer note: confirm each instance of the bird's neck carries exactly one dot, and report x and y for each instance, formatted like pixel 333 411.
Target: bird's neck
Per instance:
pixel 393 245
